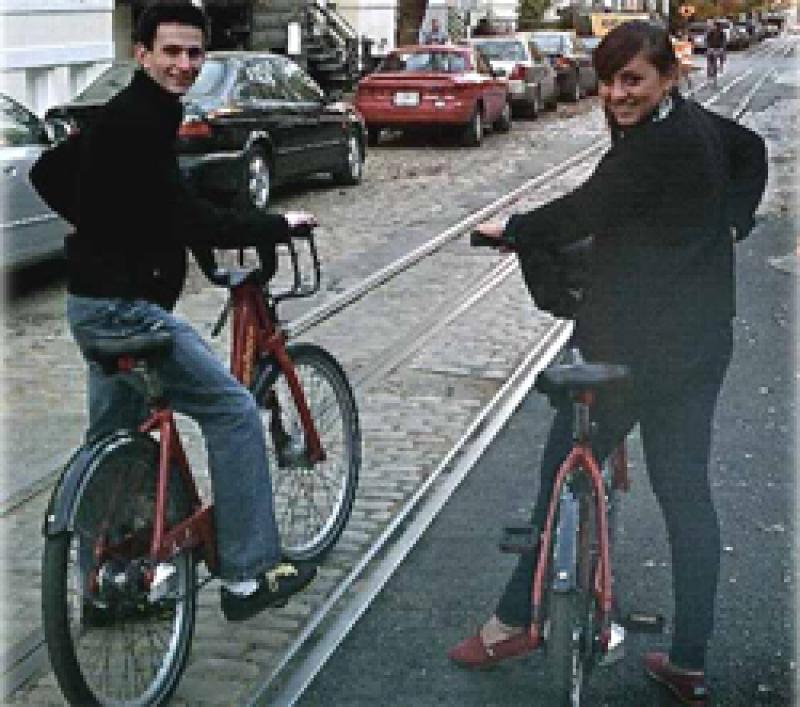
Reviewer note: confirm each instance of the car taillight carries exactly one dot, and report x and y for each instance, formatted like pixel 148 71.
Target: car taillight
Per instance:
pixel 562 62
pixel 194 129
pixel 517 73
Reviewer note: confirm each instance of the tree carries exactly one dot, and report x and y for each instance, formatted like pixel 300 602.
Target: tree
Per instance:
pixel 530 13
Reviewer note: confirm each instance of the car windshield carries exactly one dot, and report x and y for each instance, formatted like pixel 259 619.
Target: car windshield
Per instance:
pixel 550 43
pixel 210 79
pixel 503 51
pixel 439 62
pixel 108 84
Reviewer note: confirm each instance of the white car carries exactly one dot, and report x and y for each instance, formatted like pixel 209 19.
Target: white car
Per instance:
pixel 30 230
pixel 531 80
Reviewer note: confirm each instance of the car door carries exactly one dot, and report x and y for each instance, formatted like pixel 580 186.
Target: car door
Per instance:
pixel 29 229
pixel 542 72
pixel 495 88
pixel 324 134
pixel 266 114
pixel 583 57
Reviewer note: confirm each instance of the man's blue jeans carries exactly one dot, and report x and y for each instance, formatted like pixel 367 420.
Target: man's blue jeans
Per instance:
pixel 197 384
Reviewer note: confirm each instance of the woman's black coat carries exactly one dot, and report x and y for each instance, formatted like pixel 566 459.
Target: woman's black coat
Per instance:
pixel 663 205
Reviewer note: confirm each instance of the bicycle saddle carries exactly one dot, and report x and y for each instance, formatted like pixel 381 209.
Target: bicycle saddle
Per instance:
pixel 146 345
pixel 575 377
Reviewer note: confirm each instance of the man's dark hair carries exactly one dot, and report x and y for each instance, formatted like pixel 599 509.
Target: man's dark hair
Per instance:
pixel 177 11
pixel 627 40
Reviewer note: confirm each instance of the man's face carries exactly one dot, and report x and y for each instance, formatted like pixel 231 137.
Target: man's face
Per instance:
pixel 176 57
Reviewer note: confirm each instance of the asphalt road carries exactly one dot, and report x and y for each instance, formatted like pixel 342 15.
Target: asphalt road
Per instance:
pixel 396 654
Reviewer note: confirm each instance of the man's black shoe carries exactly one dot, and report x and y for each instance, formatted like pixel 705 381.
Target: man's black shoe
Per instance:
pixel 274 590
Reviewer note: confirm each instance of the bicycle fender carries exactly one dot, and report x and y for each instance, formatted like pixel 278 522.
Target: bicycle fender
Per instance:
pixel 565 551
pixel 60 513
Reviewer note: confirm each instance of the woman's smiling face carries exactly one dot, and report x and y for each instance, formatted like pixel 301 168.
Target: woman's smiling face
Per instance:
pixel 634 91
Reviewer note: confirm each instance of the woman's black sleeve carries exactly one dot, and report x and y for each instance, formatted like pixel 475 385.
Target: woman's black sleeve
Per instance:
pixel 625 185
pixel 747 158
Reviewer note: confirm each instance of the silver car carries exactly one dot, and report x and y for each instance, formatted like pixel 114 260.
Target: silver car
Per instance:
pixel 31 231
pixel 531 79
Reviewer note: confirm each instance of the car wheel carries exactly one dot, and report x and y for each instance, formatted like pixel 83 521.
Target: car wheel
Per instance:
pixel 257 178
pixel 473 130
pixel 503 122
pixel 352 167
pixel 373 135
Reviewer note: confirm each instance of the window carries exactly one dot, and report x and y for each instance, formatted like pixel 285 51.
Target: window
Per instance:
pixel 257 82
pixel 503 51
pixel 210 79
pixel 18 126
pixel 299 85
pixel 435 61
pixel 108 84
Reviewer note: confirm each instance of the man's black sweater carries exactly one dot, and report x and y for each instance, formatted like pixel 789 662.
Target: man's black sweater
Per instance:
pixel 660 205
pixel 136 217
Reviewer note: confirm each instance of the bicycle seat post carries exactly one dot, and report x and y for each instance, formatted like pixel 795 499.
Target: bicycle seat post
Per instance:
pixel 582 420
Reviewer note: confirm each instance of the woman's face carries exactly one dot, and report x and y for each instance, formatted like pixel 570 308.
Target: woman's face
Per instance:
pixel 634 91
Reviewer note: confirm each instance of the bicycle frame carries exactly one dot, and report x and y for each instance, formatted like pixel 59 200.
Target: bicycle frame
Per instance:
pixel 254 336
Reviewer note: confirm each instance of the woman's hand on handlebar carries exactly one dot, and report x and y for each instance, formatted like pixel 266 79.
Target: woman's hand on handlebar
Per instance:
pixel 488 231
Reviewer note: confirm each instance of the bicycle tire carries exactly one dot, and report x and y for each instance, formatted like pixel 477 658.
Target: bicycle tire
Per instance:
pixel 311 521
pixel 563 625
pixel 92 659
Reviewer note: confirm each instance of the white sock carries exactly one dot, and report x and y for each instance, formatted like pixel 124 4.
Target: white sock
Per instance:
pixel 242 588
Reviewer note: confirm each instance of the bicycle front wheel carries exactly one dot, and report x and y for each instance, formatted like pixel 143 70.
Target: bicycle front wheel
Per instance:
pixel 313 500
pixel 111 642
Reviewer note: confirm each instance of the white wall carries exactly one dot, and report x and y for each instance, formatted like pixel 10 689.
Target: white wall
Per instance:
pixel 52 48
pixel 376 19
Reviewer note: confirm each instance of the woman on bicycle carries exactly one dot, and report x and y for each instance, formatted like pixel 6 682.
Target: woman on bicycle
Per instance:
pixel 664 205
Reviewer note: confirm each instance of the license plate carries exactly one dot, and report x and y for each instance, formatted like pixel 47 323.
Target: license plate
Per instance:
pixel 406 99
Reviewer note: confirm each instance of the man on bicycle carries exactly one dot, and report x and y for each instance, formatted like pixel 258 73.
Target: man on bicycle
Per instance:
pixel 715 48
pixel 126 268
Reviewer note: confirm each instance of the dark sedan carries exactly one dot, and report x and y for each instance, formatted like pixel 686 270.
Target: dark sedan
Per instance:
pixel 30 231
pixel 251 120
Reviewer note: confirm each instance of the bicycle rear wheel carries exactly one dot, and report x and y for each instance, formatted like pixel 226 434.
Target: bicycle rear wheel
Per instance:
pixel 109 643
pixel 312 500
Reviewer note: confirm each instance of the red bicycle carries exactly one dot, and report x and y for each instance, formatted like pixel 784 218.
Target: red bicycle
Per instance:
pixel 126 524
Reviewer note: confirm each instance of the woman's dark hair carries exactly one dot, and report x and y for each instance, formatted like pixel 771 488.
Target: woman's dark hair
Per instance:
pixel 177 11
pixel 627 40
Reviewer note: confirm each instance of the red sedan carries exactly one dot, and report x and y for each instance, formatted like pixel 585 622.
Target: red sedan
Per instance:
pixel 435 85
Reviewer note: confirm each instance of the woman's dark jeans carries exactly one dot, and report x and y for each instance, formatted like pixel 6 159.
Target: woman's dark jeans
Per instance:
pixel 675 416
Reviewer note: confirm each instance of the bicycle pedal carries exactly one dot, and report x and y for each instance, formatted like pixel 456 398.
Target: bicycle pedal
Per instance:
pixel 643 622
pixel 519 539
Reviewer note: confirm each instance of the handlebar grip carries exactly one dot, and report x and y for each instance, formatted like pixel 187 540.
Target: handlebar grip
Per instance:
pixel 478 240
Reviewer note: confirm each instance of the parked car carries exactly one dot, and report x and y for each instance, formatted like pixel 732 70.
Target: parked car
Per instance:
pixel 251 120
pixel 590 43
pixel 697 36
pixel 531 80
pixel 571 60
pixel 31 232
pixel 442 85
pixel 740 36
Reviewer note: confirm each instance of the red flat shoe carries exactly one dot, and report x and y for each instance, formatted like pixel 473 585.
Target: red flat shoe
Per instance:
pixel 689 686
pixel 472 652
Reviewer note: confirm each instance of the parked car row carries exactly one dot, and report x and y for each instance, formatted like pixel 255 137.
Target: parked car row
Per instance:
pixel 474 84
pixel 738 35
